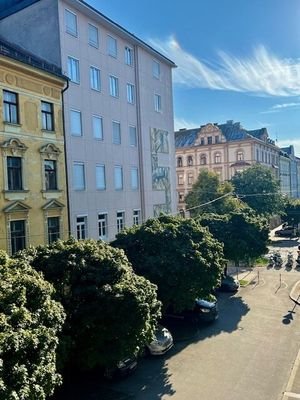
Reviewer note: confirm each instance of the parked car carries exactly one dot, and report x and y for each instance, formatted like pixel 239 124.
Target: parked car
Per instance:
pixel 162 342
pixel 121 369
pixel 286 231
pixel 229 284
pixel 203 311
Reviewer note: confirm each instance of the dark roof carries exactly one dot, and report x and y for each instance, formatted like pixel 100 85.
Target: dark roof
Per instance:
pixel 231 130
pixel 9 7
pixel 17 53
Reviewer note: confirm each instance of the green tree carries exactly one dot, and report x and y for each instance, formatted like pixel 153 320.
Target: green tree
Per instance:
pixel 179 256
pixel 29 324
pixel 258 188
pixel 207 189
pixel 243 234
pixel 292 211
pixel 110 310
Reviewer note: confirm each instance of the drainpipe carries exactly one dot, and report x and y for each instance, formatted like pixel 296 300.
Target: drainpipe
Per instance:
pixel 65 153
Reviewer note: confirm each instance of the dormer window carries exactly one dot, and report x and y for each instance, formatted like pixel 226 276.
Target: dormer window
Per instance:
pixel 240 155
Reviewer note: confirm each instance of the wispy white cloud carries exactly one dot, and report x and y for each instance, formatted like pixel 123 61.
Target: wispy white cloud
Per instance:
pixel 282 107
pixel 263 73
pixel 180 123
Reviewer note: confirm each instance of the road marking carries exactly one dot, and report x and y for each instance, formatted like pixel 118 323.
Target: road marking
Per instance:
pixel 292 378
pixel 294 395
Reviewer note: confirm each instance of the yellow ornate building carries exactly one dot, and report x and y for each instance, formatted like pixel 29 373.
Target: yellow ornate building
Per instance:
pixel 33 195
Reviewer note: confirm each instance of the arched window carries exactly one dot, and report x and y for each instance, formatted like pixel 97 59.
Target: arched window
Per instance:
pixel 190 161
pixel 217 158
pixel 203 159
pixel 179 161
pixel 240 155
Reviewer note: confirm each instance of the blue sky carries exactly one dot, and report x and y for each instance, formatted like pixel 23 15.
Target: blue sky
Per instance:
pixel 237 59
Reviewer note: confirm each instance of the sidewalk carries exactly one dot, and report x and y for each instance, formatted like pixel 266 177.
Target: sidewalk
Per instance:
pixel 292 391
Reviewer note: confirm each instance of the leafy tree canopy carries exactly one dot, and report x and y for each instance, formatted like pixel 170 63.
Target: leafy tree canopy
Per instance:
pixel 243 233
pixel 179 256
pixel 29 323
pixel 206 189
pixel 258 188
pixel 110 310
pixel 292 211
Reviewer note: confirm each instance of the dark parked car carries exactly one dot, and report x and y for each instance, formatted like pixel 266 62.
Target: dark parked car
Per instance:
pixel 121 369
pixel 286 231
pixel 203 311
pixel 229 284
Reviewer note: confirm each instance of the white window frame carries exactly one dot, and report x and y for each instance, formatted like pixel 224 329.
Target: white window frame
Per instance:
pixel 81 225
pixel 128 52
pixel 136 217
pixel 69 29
pixel 77 186
pixel 155 69
pixel 113 86
pixel 72 130
pixel 95 78
pixel 97 133
pixel 73 69
pixel 112 50
pixel 157 102
pixel 134 178
pixel 130 91
pixel 103 225
pixel 132 136
pixel 118 177
pixel 93 28
pixel 116 139
pixel 120 221
pixel 100 183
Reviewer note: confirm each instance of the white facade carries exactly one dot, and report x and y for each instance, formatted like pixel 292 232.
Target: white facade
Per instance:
pixel 118 118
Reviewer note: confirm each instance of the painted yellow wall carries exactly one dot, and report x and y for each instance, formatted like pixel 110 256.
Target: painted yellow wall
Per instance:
pixel 32 86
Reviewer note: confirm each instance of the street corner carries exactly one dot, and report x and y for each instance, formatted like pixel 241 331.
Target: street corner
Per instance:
pixel 295 293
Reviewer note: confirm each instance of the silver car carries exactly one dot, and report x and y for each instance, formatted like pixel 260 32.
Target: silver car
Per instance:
pixel 163 342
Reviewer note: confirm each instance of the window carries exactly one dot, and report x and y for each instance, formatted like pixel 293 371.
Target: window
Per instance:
pixel 209 140
pixel 134 178
pixel 116 127
pixel 202 141
pixel 50 175
pixel 102 225
pixel 203 160
pixel 53 229
pixel 118 178
pixel 100 177
pixel 47 116
pixel 156 69
pixel 128 56
pixel 95 81
pixel 136 217
pixel 132 136
pixel 181 197
pixel 157 102
pixel 180 179
pixel 97 127
pixel 71 22
pixel 75 123
pixel 190 179
pixel 10 107
pixel 113 86
pixel 130 93
pixel 17 236
pixel 14 173
pixel 179 161
pixel 78 176
pixel 217 158
pixel 120 220
pixel 81 228
pixel 217 139
pixel 112 48
pixel 190 161
pixel 93 36
pixel 73 70
pixel 240 156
